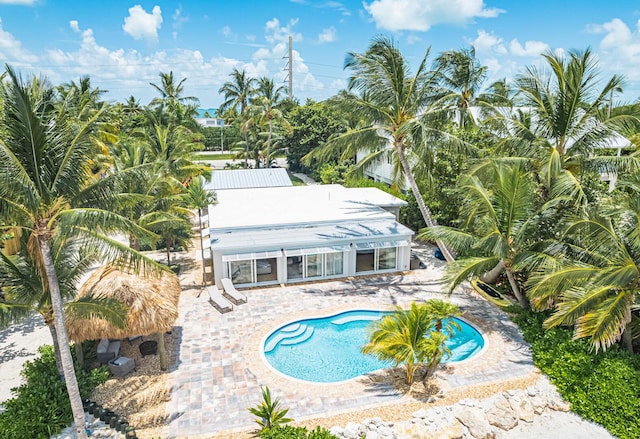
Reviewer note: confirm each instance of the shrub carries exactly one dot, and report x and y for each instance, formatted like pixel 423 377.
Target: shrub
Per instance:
pixel 269 412
pixel 41 406
pixel 602 387
pixel 289 432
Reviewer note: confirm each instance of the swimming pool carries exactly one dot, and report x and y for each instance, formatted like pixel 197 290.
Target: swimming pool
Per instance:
pixel 327 350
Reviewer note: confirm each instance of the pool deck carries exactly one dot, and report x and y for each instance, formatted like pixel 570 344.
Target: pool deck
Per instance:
pixel 220 367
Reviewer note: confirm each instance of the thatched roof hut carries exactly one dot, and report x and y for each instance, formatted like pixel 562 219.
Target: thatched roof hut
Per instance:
pixel 152 303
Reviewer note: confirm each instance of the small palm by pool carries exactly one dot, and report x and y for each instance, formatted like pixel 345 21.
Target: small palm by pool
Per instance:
pixel 327 350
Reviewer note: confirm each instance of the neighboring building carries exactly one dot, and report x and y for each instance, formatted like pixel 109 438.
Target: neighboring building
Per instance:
pixel 248 178
pixel 210 122
pixel 279 235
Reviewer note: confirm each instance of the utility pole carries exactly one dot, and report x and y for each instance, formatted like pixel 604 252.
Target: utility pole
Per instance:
pixel 289 67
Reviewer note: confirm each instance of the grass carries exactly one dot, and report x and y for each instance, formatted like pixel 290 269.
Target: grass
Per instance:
pixel 215 156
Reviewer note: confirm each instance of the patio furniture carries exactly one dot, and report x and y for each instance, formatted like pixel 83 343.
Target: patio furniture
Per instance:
pixel 149 347
pixel 218 299
pixel 231 291
pixel 107 350
pixel 121 366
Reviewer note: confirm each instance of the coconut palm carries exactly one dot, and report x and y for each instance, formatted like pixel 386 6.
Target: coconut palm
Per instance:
pixel 197 197
pixel 442 313
pixel 499 218
pixel 461 78
pixel 47 189
pixel 407 337
pixel 268 98
pixel 568 120
pixel 238 93
pixel 26 291
pixel 593 280
pixel 393 107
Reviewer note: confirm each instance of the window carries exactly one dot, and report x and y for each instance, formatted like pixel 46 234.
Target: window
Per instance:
pixel 333 264
pixel 387 258
pixel 241 272
pixel 314 265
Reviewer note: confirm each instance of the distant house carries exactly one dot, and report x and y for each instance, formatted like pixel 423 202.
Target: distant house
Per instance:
pixel 286 234
pixel 213 122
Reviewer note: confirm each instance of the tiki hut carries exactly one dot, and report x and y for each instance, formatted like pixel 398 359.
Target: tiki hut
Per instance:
pixel 152 303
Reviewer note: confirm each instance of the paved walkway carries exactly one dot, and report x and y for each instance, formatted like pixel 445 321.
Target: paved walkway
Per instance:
pixel 220 367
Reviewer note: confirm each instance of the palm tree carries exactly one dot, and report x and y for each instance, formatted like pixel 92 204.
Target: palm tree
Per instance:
pixel 568 121
pixel 197 197
pixel 26 291
pixel 442 313
pixel 268 98
pixel 408 336
pixel 393 108
pixel 461 78
pixel 238 93
pixel 499 218
pixel 592 280
pixel 47 189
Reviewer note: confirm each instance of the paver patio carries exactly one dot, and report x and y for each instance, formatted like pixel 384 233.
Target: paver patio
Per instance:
pixel 220 367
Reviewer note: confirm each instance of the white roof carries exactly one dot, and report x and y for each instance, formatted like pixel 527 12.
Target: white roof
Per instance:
pixel 261 208
pixel 248 178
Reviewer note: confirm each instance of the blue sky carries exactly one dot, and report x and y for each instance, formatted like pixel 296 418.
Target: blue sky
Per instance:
pixel 123 45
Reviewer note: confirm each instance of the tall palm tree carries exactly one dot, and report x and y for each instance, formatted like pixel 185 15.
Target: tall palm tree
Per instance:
pixel 499 219
pixel 461 78
pixel 47 189
pixel 197 197
pixel 394 108
pixel 568 121
pixel 268 98
pixel 26 291
pixel 592 280
pixel 238 93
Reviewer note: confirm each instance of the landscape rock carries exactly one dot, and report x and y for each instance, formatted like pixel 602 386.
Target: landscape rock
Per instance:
pixel 523 408
pixel 503 419
pixel 474 419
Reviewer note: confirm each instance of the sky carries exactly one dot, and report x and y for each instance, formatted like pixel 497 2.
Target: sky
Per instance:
pixel 124 45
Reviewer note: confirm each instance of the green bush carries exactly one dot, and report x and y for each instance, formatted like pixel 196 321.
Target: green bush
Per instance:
pixel 602 387
pixel 289 432
pixel 41 407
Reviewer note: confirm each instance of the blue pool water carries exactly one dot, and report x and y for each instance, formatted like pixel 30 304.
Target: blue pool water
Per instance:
pixel 327 350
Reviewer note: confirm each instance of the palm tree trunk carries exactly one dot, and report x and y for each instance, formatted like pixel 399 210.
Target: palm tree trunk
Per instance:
pixel 516 290
pixel 70 379
pixel 168 245
pixel 246 151
pixel 627 340
pixel 268 157
pixel 162 352
pixel 56 348
pixel 490 277
pixel 424 210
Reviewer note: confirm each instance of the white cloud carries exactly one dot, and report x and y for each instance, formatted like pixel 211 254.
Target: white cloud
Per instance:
pixel 11 49
pixel 73 24
pixel 421 15
pixel 487 42
pixel 226 31
pixel 274 32
pixel 142 25
pixel 619 48
pixel 531 48
pixel 327 35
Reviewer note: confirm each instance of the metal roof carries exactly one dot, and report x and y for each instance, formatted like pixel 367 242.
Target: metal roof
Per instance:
pixel 248 178
pixel 305 236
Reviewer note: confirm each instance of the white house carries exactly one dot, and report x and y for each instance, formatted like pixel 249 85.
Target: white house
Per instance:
pixel 279 235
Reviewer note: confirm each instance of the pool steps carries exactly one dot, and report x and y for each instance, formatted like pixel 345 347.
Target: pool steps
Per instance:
pixel 299 339
pixel 283 335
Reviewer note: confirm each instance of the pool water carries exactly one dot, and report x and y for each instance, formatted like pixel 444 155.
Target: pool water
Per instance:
pixel 327 350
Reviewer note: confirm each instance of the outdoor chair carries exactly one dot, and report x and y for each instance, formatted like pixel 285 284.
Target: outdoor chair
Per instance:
pixel 107 350
pixel 231 291
pixel 217 299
